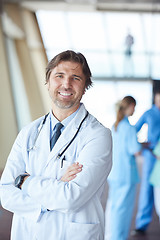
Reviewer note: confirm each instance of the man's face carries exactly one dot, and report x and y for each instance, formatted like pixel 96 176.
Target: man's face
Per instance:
pixel 157 100
pixel 66 85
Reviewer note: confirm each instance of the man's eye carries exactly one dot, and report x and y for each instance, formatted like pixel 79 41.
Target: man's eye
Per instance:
pixel 59 76
pixel 76 78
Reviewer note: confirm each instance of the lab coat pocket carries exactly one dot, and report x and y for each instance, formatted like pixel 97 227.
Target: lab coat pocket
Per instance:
pixel 80 231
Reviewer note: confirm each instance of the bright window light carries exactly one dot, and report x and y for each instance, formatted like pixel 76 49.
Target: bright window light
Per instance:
pixel 100 36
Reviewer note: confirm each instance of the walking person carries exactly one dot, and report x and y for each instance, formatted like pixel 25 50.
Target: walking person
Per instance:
pixel 146 198
pixel 124 177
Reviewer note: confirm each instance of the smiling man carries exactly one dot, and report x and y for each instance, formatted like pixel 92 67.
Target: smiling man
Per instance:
pixel 66 86
pixel 58 166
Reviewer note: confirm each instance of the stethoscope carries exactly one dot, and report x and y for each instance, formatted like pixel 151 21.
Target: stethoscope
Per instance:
pixel 40 129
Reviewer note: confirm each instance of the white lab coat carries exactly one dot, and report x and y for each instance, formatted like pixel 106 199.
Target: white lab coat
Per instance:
pixel 75 207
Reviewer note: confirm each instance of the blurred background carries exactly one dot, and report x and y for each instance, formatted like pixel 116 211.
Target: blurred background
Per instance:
pixel 120 39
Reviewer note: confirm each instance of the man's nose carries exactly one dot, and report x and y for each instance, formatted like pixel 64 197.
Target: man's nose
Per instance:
pixel 67 82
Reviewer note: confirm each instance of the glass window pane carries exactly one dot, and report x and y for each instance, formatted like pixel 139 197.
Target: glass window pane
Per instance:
pixel 54 31
pixel 100 36
pixel 87 30
pixel 156 66
pixel 105 94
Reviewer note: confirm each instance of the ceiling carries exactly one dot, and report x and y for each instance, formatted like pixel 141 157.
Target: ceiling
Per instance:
pixel 91 5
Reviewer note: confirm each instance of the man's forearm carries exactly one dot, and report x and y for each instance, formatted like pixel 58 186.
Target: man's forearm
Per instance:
pixel 15 201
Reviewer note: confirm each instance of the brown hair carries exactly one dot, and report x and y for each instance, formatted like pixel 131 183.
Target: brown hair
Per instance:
pixel 124 103
pixel 71 56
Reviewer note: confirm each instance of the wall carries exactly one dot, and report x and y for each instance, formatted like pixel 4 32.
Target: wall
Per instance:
pixel 23 95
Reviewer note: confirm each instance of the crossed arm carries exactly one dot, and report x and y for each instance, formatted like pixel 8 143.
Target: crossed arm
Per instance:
pixel 14 200
pixel 70 195
pixel 69 175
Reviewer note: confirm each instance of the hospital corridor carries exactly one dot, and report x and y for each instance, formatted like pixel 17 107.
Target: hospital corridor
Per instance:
pixel 80 120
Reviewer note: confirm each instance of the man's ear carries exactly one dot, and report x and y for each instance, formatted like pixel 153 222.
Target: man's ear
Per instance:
pixel 47 84
pixel 84 91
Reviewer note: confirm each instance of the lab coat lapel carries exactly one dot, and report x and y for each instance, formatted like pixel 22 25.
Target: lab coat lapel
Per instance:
pixel 67 134
pixel 43 142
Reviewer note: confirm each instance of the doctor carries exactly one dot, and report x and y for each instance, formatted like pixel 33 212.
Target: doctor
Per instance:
pixel 55 193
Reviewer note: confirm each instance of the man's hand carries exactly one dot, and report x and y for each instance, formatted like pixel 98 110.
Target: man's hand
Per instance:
pixel 71 172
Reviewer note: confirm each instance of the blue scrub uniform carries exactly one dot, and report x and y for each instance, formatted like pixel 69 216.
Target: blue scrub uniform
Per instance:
pixel 122 181
pixel 145 205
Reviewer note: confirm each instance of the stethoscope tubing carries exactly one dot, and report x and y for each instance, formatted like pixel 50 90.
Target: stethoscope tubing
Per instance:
pixel 40 128
pixel 60 154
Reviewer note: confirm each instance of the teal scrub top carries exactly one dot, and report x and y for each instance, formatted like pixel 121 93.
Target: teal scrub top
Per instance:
pixel 125 145
pixel 152 119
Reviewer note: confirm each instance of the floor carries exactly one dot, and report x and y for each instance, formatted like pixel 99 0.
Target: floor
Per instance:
pixel 153 231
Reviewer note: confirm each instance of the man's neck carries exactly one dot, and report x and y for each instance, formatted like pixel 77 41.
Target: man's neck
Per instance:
pixel 61 114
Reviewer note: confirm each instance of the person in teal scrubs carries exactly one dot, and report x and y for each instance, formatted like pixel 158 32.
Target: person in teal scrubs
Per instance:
pixel 123 177
pixel 146 196
pixel 155 179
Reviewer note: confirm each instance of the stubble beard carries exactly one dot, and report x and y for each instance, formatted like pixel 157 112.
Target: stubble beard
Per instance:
pixel 63 105
pixel 67 104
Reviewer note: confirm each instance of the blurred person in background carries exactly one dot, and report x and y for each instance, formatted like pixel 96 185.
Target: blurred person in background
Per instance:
pixel 128 66
pixel 155 179
pixel 146 199
pixel 129 41
pixel 123 177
